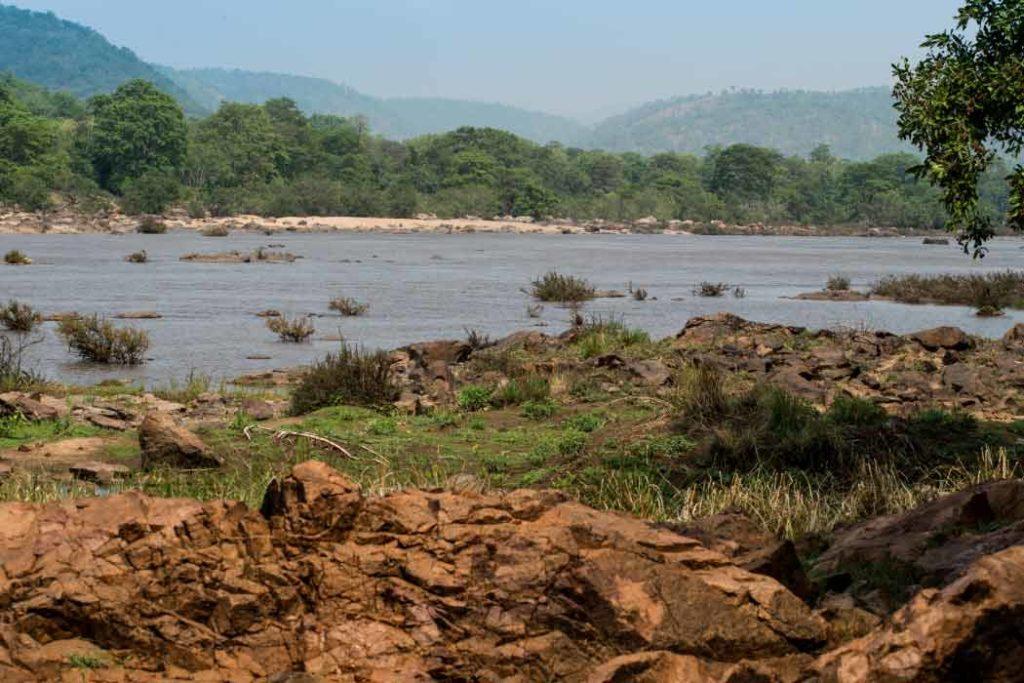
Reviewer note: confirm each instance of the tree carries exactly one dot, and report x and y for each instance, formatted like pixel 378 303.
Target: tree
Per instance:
pixel 136 129
pixel 744 172
pixel 961 104
pixel 237 146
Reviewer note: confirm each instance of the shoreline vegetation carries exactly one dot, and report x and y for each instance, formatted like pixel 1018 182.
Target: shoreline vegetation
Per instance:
pixel 89 166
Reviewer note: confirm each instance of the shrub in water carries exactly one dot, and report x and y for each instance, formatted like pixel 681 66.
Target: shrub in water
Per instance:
pixel 710 289
pixel 348 307
pixel 562 288
pixel 100 341
pixel 19 317
pixel 349 377
pixel 293 330
pixel 838 283
pixel 16 258
pixel 137 257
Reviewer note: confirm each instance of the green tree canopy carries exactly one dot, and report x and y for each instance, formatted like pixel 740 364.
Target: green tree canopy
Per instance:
pixel 961 104
pixel 136 129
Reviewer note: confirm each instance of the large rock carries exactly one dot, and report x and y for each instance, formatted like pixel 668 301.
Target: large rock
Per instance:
pixel 413 586
pixel 165 443
pixel 939 338
pixel 16 402
pixel 936 542
pixel 971 630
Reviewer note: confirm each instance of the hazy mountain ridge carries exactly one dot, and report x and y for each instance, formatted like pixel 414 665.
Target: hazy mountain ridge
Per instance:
pixel 400 118
pixel 857 124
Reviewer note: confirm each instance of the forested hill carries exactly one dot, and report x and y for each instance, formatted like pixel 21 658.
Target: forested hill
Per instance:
pixel 856 124
pixel 399 118
pixel 62 55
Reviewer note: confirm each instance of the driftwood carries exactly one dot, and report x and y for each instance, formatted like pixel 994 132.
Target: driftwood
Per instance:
pixel 282 435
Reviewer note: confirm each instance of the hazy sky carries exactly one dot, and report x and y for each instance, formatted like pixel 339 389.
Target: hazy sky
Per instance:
pixel 577 57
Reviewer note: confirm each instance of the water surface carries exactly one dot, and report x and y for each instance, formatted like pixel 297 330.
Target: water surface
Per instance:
pixel 427 286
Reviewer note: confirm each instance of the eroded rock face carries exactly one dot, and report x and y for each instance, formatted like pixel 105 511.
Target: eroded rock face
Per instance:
pixel 414 586
pixel 166 443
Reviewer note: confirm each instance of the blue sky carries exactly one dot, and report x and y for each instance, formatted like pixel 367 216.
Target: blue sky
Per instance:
pixel 576 57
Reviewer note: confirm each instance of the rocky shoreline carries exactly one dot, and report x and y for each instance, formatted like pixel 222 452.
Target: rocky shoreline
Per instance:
pixel 319 577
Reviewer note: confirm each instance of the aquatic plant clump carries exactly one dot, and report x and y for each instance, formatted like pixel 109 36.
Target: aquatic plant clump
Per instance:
pixel 560 288
pixel 998 290
pixel 19 317
pixel 294 330
pixel 97 340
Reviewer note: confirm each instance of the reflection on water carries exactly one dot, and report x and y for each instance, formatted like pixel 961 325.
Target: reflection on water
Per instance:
pixel 427 286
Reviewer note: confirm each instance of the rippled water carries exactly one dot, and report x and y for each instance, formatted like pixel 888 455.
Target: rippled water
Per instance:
pixel 428 286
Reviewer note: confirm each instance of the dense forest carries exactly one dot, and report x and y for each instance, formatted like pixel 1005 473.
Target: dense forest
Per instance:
pixel 136 147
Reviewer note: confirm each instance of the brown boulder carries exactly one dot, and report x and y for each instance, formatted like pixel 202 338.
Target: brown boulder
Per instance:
pixel 16 402
pixel 413 586
pixel 651 372
pixel 258 410
pixel 948 338
pixel 449 351
pixel 1014 337
pixel 165 443
pixel 971 630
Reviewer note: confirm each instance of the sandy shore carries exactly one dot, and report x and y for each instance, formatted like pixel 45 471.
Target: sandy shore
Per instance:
pixel 70 222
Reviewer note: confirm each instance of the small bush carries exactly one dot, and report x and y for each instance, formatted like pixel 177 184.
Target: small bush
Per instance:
pixel 19 317
pixel 599 336
pixel 539 410
pixel 100 341
pixel 640 294
pixel 137 257
pixel 572 443
pixel 474 398
pixel 585 422
pixel 151 226
pixel 349 377
pixel 13 375
pixel 292 330
pixel 477 340
pixel 562 288
pixel 837 283
pixel 348 307
pixel 520 390
pixel 739 292
pixel 710 289
pixel 215 231
pixel 16 258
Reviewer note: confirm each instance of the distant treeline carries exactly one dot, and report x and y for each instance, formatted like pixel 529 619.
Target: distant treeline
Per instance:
pixel 135 147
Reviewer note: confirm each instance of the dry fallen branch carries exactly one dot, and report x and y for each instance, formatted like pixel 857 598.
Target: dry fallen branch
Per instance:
pixel 282 435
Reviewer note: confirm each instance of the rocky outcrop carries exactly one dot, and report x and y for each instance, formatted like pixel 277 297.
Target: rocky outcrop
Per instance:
pixel 414 586
pixel 935 543
pixel 939 338
pixel 971 630
pixel 165 443
pixel 326 583
pixel 30 408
